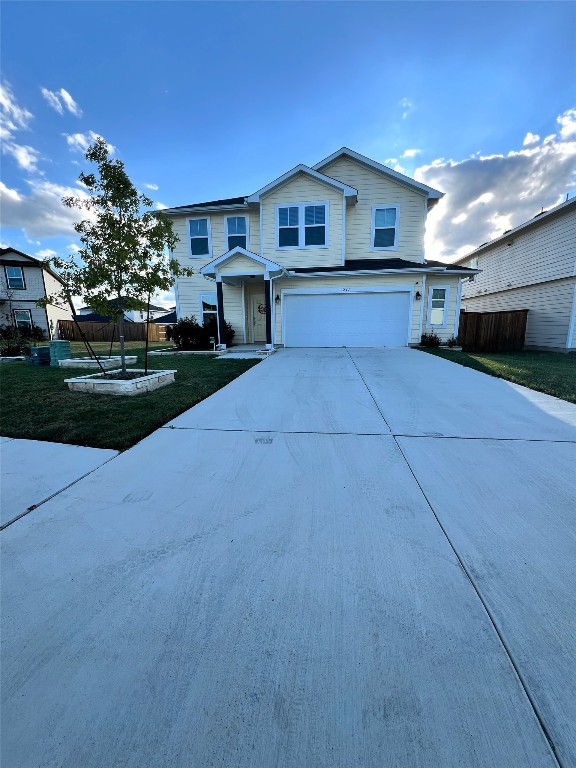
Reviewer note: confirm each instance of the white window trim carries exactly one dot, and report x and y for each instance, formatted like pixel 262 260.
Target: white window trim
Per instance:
pixel 201 313
pixel 446 303
pixel 22 310
pixel 206 256
pixel 396 228
pixel 237 216
pixel 11 287
pixel 302 226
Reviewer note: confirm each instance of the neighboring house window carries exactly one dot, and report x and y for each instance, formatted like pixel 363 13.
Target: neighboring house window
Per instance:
pixel 237 232
pixel 200 241
pixel 384 227
pixel 303 225
pixel 23 319
pixel 15 278
pixel 437 306
pixel 208 307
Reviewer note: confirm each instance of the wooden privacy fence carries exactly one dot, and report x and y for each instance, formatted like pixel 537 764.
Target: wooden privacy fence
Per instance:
pixel 492 331
pixel 67 329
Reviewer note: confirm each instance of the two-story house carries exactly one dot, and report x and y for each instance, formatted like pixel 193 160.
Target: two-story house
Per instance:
pixel 533 267
pixel 329 255
pixel 23 281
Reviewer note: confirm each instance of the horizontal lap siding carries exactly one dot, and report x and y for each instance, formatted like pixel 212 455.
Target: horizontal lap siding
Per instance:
pixel 550 306
pixel 451 328
pixel 303 189
pixel 339 282
pixel 376 189
pixel 243 265
pixel 546 252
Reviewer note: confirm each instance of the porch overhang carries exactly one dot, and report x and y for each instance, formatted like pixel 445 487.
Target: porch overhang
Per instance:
pixel 239 263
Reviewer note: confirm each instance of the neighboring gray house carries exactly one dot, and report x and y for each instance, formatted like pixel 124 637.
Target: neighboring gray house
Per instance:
pixel 530 267
pixel 24 280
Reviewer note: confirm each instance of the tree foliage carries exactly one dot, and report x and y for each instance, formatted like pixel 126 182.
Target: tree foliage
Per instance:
pixel 123 243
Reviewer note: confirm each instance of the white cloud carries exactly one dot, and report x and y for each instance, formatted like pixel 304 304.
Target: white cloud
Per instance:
pixel 61 99
pixel 567 121
pixel 26 157
pixel 164 299
pixel 530 138
pixel 15 118
pixel 40 213
pixel 486 195
pixel 45 253
pixel 151 186
pixel 390 161
pixel 160 206
pixel 407 107
pixel 411 152
pixel 79 142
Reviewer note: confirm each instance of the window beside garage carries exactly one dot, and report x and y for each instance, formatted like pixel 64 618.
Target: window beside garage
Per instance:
pixel 384 227
pixel 438 306
pixel 302 226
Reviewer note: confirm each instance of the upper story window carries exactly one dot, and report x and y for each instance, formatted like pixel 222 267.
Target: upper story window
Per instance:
pixel 237 232
pixel 384 227
pixel 438 306
pixel 304 225
pixel 15 278
pixel 200 238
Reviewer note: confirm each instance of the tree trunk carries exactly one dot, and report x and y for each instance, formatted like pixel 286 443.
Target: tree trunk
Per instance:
pixel 121 339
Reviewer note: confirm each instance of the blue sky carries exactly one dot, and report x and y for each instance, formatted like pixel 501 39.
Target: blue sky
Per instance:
pixel 208 100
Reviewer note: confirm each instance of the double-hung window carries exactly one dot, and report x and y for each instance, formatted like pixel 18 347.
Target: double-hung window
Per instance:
pixel 237 232
pixel 200 241
pixel 23 319
pixel 384 227
pixel 304 225
pixel 208 307
pixel 15 278
pixel 437 306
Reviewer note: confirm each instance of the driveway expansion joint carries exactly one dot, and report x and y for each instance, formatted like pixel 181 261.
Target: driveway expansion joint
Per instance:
pixel 491 618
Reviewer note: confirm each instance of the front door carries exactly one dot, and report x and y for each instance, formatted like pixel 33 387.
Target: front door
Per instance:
pixel 258 317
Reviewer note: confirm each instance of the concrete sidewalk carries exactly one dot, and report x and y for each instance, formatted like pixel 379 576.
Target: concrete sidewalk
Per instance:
pixel 264 582
pixel 32 471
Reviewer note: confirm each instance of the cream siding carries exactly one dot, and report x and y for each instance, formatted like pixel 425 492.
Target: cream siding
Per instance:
pixel 303 189
pixel 451 326
pixel 337 283
pixel 55 313
pixel 376 189
pixel 549 304
pixel 542 253
pixel 241 265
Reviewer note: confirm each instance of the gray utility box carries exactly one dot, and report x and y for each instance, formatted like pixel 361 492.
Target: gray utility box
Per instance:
pixel 59 350
pixel 39 356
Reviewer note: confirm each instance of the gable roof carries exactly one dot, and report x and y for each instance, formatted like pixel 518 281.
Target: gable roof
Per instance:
pixel 349 192
pixel 433 194
pixel 535 221
pixel 210 268
pixel 35 262
pixel 166 319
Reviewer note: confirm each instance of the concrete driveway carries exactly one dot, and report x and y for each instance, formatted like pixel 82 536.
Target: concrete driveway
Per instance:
pixel 344 558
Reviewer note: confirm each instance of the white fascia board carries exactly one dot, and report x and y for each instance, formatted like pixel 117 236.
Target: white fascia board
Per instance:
pixel 432 194
pixel 408 270
pixel 270 266
pixel 348 191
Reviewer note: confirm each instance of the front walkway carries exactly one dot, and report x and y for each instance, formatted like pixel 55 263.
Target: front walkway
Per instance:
pixel 344 558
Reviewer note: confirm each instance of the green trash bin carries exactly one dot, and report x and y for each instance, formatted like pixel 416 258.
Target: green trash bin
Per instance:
pixel 59 350
pixel 39 356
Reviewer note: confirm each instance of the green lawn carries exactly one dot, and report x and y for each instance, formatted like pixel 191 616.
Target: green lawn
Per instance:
pixel 551 372
pixel 36 404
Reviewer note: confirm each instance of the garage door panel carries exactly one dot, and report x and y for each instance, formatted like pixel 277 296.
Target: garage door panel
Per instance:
pixel 368 319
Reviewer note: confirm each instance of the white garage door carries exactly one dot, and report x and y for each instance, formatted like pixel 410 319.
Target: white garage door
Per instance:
pixel 346 319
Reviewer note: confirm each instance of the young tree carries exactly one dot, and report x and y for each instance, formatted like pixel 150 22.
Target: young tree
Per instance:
pixel 123 245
